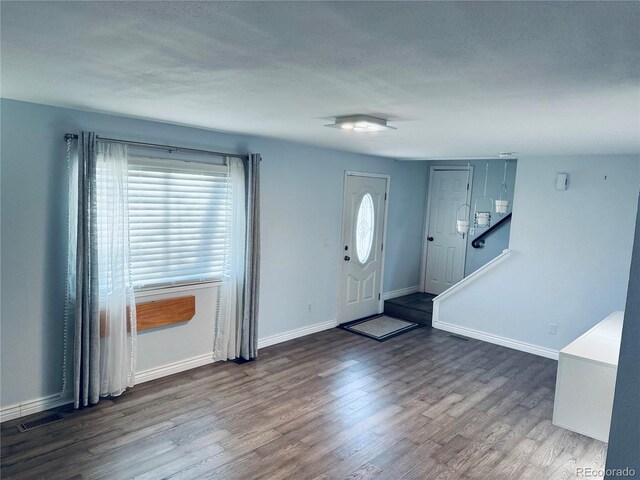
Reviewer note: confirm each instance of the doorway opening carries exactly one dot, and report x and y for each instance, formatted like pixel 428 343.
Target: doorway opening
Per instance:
pixel 447 255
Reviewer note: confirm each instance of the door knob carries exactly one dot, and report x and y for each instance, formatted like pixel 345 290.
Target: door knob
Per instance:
pixel 430 239
pixel 347 258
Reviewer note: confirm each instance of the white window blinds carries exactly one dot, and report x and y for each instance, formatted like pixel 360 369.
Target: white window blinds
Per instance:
pixel 179 218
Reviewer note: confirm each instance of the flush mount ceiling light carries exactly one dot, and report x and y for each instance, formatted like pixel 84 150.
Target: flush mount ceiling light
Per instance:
pixel 360 123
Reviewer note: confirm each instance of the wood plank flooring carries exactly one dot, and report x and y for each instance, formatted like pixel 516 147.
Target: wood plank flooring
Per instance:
pixel 333 405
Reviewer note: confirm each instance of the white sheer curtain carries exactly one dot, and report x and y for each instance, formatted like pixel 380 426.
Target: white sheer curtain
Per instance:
pixel 230 303
pixel 116 299
pixel 100 306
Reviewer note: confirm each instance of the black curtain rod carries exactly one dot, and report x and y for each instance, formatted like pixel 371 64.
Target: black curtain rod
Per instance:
pixel 169 148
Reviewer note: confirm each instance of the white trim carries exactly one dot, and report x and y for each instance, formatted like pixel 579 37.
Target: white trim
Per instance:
pixel 177 164
pixel 473 276
pixel 458 159
pixel 175 367
pixel 10 412
pixel 348 173
pixel 176 288
pixel 207 358
pixel 497 340
pixel 477 334
pixel 401 292
pixel 579 430
pixel 465 282
pixel 427 218
pixel 384 239
pixel 29 407
pixel 297 333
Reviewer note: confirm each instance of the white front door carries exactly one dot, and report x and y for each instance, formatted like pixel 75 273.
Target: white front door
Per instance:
pixel 445 248
pixel 361 259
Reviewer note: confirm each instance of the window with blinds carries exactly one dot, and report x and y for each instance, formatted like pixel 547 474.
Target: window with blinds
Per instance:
pixel 179 219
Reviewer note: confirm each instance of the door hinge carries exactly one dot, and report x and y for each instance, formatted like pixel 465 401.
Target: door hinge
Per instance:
pixel 467 185
pixel 385 196
pixel 382 247
pixel 378 296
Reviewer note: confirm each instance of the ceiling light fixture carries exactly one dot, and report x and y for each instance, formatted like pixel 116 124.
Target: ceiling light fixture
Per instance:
pixel 360 123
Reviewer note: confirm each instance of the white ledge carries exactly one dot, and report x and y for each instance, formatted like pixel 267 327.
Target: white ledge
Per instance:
pixel 473 277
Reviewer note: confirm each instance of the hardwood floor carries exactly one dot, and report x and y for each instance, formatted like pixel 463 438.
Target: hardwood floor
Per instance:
pixel 331 405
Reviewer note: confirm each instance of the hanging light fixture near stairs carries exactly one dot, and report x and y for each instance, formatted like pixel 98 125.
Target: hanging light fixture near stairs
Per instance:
pixel 463 223
pixel 502 204
pixel 482 218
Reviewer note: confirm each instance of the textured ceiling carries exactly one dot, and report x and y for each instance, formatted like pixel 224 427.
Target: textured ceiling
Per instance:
pixel 456 79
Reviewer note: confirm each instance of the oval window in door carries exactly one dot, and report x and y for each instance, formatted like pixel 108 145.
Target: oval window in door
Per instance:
pixel 365 224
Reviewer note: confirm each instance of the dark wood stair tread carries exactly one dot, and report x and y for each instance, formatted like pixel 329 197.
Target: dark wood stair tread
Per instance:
pixel 416 307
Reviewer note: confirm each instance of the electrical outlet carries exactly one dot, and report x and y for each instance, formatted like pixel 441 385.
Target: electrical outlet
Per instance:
pixel 553 328
pixel 472 231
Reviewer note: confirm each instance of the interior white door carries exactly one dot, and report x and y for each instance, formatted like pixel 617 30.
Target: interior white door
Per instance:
pixel 446 249
pixel 363 219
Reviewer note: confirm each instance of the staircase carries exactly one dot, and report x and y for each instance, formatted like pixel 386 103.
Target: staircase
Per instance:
pixel 417 307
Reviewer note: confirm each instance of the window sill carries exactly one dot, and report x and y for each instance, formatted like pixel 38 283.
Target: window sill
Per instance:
pixel 176 288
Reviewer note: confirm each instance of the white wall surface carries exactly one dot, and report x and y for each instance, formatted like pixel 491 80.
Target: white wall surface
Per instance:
pixel 571 252
pixel 301 207
pixel 175 343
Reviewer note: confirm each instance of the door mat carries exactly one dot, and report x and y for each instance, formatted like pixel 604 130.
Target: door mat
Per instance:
pixel 381 328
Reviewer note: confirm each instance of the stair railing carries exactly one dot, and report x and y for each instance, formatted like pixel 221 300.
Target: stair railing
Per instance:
pixel 479 241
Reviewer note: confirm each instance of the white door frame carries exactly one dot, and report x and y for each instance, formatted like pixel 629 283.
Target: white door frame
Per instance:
pixel 425 233
pixel 348 173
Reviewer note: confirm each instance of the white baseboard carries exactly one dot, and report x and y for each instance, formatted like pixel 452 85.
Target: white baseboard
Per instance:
pixel 297 333
pixel 400 293
pixel 200 360
pixel 498 340
pixel 10 412
pixel 581 431
pixel 29 407
pixel 56 400
pixel 175 367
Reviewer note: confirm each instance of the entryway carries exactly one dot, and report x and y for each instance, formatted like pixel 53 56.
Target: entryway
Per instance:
pixel 362 259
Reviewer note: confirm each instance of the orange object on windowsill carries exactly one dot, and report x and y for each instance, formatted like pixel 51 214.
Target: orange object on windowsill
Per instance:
pixel 159 313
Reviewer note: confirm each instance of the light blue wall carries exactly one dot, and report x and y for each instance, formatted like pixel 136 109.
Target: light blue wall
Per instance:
pixel 571 252
pixel 301 206
pixel 499 240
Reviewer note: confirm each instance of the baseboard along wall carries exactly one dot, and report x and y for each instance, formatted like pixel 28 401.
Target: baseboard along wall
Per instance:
pixel 401 292
pixel 497 340
pixel 29 407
